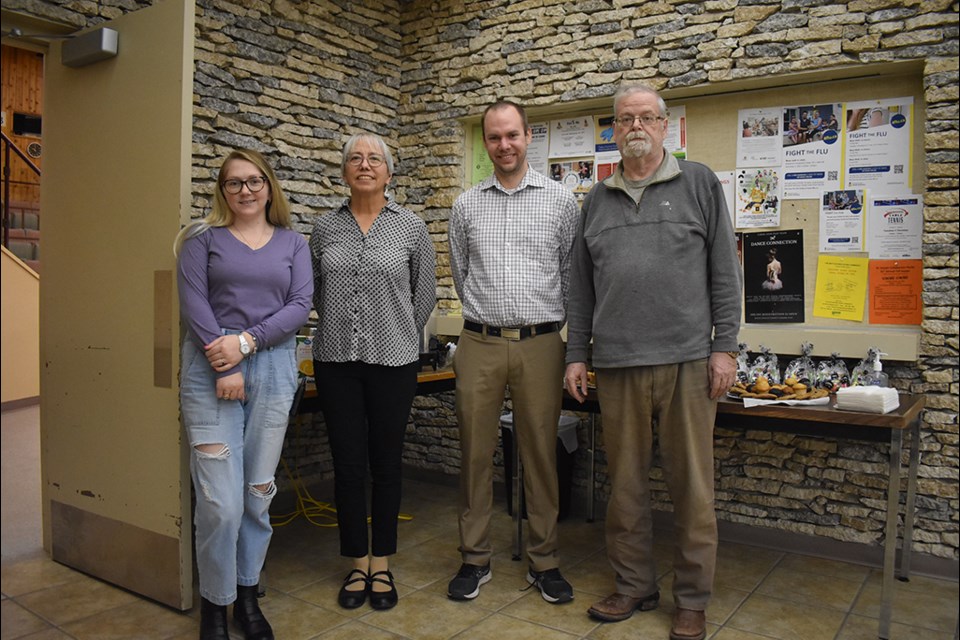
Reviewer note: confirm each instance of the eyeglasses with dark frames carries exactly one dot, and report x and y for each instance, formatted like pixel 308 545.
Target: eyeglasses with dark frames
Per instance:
pixel 234 186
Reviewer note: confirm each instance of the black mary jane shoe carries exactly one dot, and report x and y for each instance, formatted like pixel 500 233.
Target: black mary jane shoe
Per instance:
pixel 352 599
pixel 383 599
pixel 213 621
pixel 247 613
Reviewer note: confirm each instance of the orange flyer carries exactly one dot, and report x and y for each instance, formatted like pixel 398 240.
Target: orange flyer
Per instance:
pixel 895 291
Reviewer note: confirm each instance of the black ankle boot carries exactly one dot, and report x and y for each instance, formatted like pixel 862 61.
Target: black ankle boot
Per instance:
pixel 246 611
pixel 213 621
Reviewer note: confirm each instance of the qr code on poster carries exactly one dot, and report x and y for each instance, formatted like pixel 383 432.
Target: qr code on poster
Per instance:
pixel 898 168
pixel 831 175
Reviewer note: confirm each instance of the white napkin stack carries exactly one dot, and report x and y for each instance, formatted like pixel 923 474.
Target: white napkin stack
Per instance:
pixel 870 399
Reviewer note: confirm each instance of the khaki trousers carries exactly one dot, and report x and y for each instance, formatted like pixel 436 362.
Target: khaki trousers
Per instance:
pixel 675 397
pixel 533 369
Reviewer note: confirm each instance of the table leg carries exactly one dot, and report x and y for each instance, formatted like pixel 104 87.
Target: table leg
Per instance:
pixel 518 503
pixel 593 467
pixel 890 534
pixel 907 549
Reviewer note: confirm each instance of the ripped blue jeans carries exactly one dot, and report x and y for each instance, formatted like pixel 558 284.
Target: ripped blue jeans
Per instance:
pixel 235 484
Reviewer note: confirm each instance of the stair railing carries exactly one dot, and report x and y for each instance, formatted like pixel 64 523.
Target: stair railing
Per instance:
pixel 8 145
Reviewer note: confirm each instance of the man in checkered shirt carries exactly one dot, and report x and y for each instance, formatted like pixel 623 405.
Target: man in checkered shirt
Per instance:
pixel 510 242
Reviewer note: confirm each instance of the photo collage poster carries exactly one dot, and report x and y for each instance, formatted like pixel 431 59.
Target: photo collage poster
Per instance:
pixel 758 197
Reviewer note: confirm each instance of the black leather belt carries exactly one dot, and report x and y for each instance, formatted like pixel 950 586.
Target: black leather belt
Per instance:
pixel 512 333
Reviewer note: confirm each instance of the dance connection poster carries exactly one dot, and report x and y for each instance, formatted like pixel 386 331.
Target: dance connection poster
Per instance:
pixel 895 291
pixel 759 193
pixel 841 287
pixel 773 276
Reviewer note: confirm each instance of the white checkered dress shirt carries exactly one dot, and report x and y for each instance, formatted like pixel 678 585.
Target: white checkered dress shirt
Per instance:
pixel 510 251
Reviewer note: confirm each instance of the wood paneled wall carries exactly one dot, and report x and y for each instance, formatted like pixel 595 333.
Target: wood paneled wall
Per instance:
pixel 22 91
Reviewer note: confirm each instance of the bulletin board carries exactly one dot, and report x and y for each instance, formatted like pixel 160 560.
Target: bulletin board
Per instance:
pixel 712 139
pixel 712 133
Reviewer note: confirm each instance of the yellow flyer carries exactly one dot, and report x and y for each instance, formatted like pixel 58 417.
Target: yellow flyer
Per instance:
pixel 841 287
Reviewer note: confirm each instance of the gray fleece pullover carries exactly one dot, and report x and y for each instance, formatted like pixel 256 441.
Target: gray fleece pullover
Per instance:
pixel 655 281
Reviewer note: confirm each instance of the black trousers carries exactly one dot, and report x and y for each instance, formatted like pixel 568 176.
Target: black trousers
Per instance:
pixel 366 407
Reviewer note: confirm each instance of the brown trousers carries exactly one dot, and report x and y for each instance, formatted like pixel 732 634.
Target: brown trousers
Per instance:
pixel 533 369
pixel 675 397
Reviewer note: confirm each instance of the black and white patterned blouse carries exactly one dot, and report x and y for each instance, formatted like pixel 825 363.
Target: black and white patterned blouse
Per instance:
pixel 373 293
pixel 510 251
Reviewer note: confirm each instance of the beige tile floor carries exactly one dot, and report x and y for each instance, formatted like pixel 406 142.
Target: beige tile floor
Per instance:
pixel 759 594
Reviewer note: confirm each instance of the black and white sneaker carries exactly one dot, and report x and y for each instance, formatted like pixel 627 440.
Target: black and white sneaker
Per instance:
pixel 466 584
pixel 552 586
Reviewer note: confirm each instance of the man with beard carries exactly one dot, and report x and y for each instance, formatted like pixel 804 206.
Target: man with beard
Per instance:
pixel 510 247
pixel 656 284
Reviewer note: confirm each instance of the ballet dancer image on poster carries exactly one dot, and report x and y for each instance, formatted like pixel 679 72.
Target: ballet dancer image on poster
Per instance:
pixel 772 281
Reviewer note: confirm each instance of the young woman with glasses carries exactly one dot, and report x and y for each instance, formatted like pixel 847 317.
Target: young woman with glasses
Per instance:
pixel 245 285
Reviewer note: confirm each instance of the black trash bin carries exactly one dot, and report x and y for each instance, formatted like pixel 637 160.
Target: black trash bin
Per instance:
pixel 567 445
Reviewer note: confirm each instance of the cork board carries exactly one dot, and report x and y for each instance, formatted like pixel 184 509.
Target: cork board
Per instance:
pixel 712 134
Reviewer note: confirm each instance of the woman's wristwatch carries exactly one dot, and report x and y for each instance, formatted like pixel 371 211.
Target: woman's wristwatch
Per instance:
pixel 245 348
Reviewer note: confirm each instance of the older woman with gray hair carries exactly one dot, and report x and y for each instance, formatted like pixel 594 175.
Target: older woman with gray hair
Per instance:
pixel 374 289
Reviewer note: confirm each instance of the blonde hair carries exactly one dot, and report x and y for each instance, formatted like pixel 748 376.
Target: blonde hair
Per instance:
pixel 278 208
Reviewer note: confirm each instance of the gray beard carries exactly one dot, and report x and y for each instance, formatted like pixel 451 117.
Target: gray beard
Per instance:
pixel 636 148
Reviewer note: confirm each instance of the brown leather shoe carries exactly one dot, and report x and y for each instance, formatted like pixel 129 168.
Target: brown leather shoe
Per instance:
pixel 619 606
pixel 688 625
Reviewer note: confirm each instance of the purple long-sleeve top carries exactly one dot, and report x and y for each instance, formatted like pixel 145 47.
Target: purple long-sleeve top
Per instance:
pixel 224 284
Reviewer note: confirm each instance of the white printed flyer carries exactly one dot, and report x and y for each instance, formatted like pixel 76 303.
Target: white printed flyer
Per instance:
pixel 841 221
pixel 728 183
pixel 572 137
pixel 895 227
pixel 539 146
pixel 675 141
pixel 759 141
pixel 812 150
pixel 879 146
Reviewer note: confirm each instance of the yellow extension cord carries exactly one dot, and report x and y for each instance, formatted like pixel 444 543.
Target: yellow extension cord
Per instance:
pixel 320 514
